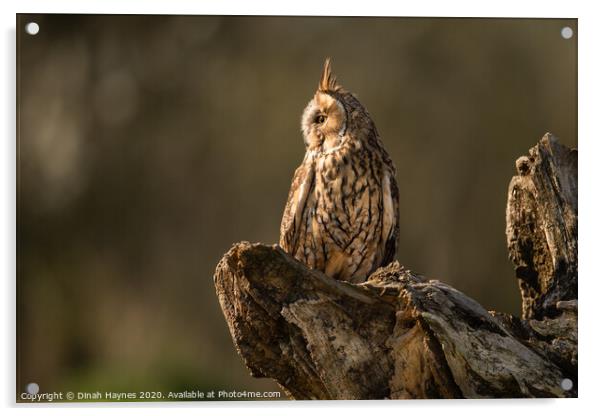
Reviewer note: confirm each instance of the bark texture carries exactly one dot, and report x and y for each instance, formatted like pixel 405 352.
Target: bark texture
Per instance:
pixel 399 335
pixel 541 227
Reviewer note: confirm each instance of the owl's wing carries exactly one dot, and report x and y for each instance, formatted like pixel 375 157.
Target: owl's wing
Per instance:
pixel 390 229
pixel 303 182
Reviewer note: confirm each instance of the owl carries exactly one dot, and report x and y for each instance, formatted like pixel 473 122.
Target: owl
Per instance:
pixel 342 213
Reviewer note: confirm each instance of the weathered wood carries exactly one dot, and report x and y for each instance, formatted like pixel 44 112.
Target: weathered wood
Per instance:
pixel 399 335
pixel 541 227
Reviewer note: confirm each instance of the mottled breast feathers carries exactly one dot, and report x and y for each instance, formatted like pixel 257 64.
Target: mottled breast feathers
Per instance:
pixel 341 216
pixel 293 211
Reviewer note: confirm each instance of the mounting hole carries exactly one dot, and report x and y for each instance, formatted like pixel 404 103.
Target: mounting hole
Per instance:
pixel 32 388
pixel 566 384
pixel 566 32
pixel 32 28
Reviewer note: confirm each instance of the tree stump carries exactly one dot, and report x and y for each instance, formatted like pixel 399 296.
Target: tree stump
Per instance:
pixel 399 335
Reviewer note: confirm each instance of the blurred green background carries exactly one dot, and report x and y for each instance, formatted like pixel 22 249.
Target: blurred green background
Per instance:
pixel 149 144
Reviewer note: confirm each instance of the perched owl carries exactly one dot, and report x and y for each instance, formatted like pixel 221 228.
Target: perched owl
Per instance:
pixel 342 213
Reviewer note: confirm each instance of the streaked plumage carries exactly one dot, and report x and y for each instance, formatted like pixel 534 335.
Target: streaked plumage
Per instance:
pixel 342 214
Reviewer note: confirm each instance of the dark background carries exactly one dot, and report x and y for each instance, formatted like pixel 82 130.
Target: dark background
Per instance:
pixel 148 145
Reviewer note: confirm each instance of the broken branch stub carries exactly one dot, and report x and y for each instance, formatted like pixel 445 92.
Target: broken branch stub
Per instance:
pixel 541 227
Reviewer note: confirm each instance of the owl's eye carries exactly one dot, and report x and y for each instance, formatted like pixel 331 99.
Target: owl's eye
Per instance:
pixel 320 118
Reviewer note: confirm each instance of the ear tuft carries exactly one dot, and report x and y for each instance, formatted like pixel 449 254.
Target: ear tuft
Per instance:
pixel 328 82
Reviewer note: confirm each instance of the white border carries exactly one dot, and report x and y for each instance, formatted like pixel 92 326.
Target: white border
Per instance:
pixel 510 8
pixel 590 111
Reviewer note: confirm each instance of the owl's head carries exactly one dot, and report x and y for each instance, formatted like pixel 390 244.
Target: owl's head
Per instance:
pixel 330 114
